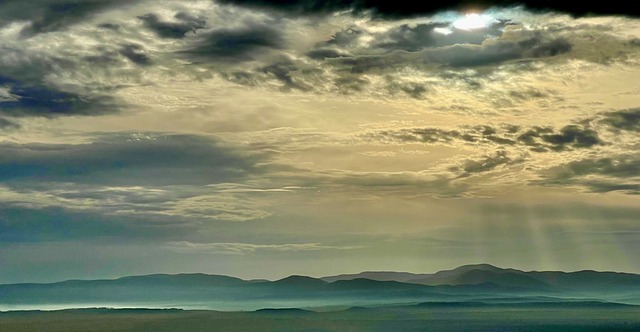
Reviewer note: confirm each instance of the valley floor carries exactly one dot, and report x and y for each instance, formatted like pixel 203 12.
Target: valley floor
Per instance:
pixel 410 318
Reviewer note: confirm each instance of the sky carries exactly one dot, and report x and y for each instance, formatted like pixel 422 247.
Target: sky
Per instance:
pixel 261 139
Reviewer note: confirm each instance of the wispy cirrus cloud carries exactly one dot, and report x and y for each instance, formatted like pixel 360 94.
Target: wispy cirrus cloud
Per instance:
pixel 236 248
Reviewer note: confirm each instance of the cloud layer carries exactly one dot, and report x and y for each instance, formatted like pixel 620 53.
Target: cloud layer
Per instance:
pixel 280 130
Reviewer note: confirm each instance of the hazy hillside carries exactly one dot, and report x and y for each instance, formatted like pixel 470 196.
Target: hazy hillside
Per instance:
pixel 467 283
pixel 484 273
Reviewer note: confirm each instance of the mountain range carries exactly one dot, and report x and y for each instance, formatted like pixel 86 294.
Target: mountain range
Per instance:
pixel 478 283
pixel 485 273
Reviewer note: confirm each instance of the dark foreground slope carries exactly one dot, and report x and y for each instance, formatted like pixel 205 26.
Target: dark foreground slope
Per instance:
pixel 434 317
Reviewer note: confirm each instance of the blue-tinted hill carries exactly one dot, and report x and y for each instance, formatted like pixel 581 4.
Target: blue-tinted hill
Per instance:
pixel 466 283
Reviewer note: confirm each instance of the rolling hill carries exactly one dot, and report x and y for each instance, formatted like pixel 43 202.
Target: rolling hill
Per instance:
pixel 466 283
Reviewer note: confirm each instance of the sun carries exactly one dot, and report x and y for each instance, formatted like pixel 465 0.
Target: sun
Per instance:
pixel 471 22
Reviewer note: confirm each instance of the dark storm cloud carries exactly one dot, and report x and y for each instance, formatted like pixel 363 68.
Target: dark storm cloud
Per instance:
pixel 136 54
pixel 628 120
pixel 237 45
pixel 325 53
pixel 25 75
pixel 128 160
pixel 30 66
pixel 19 224
pixel 50 15
pixel 40 100
pixel 394 9
pixel 490 134
pixel 282 71
pixel 176 30
pixel 110 26
pixel 539 139
pixel 551 48
pixel 618 173
pixel 571 136
pixel 289 74
pixel 343 38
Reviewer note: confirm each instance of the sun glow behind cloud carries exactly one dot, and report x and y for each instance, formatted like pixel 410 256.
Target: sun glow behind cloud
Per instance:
pixel 472 21
pixel 466 22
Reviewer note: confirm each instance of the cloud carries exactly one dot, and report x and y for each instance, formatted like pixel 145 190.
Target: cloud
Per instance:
pixel 325 53
pixel 237 44
pixel 27 99
pixel 626 166
pixel 7 124
pixel 619 173
pixel 416 37
pixel 422 135
pixel 539 139
pixel 347 84
pixel 39 82
pixel 396 9
pixel 575 136
pixel 489 163
pixel 55 223
pixel 214 206
pixel 190 204
pixel 378 184
pixel 145 176
pixel 120 159
pixel 362 56
pixel 412 89
pixel 184 23
pixel 236 248
pixel 135 53
pixel 490 51
pixel 281 71
pixel 628 120
pixel 348 37
pixel 50 15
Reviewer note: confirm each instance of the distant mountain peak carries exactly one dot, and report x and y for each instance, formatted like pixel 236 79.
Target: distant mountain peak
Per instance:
pixel 300 280
pixel 482 266
pixel 377 275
